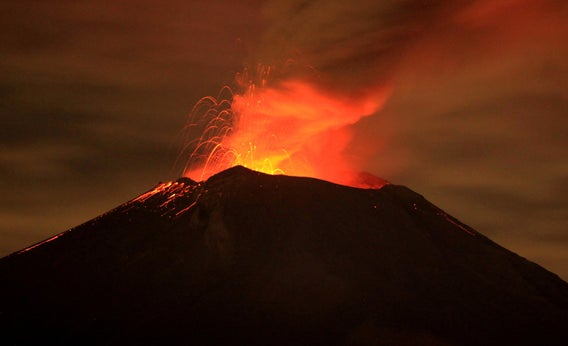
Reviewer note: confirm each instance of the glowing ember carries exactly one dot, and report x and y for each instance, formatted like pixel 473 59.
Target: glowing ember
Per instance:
pixel 158 189
pixel 291 127
pixel 41 243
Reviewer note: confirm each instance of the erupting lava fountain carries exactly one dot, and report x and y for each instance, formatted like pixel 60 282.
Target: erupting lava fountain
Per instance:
pixel 291 127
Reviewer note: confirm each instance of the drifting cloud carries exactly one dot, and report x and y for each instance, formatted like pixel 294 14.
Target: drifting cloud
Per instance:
pixel 92 95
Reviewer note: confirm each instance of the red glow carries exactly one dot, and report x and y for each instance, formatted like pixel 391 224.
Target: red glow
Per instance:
pixel 292 128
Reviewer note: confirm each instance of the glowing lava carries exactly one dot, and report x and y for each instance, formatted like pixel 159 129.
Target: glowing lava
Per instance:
pixel 291 127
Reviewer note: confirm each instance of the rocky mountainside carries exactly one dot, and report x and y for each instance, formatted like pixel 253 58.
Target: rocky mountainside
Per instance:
pixel 252 259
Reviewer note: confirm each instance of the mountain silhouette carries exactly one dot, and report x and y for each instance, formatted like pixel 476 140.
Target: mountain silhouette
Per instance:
pixel 246 258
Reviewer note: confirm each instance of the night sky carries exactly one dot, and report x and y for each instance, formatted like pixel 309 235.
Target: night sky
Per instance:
pixel 474 102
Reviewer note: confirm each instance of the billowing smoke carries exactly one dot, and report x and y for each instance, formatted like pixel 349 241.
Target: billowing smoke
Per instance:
pixel 333 65
pixel 368 47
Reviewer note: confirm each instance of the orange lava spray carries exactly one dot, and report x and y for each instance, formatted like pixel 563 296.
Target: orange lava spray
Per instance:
pixel 291 127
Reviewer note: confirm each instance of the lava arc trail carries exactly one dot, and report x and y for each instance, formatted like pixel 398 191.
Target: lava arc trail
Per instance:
pixel 287 127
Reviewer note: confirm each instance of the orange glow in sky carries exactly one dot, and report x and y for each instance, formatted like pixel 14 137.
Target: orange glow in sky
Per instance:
pixel 290 128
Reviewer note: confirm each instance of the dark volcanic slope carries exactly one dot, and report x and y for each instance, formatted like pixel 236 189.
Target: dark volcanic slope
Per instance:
pixel 247 258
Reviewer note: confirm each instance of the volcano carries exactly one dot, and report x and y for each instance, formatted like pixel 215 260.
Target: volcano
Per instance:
pixel 246 258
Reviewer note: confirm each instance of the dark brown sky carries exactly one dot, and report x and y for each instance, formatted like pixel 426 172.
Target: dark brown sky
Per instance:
pixel 93 95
